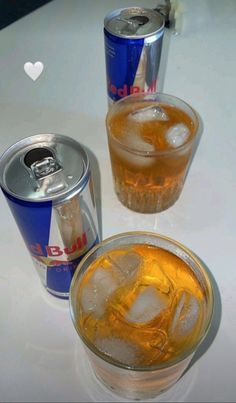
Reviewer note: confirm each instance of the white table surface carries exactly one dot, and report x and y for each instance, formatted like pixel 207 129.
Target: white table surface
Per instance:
pixel 41 357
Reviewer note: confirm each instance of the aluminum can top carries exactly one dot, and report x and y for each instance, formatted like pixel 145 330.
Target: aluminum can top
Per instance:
pixel 44 167
pixel 134 22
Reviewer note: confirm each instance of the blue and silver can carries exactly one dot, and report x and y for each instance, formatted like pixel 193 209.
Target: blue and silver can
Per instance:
pixel 133 43
pixel 47 182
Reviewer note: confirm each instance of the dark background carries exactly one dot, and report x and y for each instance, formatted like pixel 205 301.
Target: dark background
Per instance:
pixel 13 10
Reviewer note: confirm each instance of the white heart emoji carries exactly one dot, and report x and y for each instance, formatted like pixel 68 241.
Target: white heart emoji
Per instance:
pixel 33 70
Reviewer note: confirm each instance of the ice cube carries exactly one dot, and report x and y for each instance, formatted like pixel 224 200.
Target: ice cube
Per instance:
pixel 177 135
pixel 135 141
pixel 149 304
pixel 149 113
pixel 95 294
pixel 126 265
pixel 118 349
pixel 185 315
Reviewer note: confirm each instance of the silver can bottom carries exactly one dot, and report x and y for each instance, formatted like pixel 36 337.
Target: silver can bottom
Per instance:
pixel 62 295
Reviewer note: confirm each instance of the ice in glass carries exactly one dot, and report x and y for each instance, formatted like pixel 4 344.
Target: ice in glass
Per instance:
pixel 150 138
pixel 141 304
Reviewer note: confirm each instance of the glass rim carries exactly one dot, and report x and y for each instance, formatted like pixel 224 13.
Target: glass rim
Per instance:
pixel 153 95
pixel 160 366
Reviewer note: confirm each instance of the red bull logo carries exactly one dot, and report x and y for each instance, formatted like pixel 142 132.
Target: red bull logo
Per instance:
pixel 55 251
pixel 130 89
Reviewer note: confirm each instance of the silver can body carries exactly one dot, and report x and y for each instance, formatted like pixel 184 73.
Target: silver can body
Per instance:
pixel 47 182
pixel 133 43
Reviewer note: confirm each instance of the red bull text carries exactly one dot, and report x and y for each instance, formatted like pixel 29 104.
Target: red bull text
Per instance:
pixel 47 183
pixel 133 42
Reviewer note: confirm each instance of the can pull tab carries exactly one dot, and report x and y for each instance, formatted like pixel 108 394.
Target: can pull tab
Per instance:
pixel 46 170
pixel 132 24
pixel 47 166
pixel 134 21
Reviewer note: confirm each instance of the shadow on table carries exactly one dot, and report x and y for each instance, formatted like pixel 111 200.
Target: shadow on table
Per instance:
pixel 196 143
pixel 164 59
pixel 96 177
pixel 168 37
pixel 199 135
pixel 215 323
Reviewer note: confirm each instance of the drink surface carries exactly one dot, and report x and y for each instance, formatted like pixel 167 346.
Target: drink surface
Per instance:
pixel 141 306
pixel 150 147
pixel 151 122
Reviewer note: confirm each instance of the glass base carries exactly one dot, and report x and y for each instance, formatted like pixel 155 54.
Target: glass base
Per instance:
pixel 148 201
pixel 132 394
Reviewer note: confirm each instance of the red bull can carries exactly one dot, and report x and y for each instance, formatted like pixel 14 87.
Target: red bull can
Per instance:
pixel 133 42
pixel 47 182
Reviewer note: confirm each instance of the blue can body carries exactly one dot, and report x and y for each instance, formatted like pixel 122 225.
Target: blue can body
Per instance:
pixel 54 263
pixel 58 226
pixel 132 64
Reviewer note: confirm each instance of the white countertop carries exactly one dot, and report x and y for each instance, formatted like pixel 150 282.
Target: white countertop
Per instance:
pixel 41 357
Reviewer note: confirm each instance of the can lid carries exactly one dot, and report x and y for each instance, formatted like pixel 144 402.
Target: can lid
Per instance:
pixel 44 167
pixel 134 22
